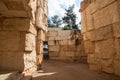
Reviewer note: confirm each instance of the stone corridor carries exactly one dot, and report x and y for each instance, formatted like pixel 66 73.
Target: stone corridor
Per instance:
pixel 23 30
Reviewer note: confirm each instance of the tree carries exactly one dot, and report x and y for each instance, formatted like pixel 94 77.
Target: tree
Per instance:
pixel 70 18
pixel 50 24
pixel 56 20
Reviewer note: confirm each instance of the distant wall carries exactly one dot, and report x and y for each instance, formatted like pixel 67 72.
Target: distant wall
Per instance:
pixel 101 34
pixel 66 45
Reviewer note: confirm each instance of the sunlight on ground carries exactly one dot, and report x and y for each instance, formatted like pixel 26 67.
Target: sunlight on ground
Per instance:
pixel 45 74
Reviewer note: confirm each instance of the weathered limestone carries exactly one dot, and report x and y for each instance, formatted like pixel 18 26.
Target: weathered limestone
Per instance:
pixel 101 33
pixel 66 45
pixel 22 32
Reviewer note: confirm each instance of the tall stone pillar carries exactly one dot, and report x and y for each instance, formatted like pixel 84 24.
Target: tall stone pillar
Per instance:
pixel 18 34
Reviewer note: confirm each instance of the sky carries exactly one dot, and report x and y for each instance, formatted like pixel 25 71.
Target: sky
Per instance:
pixel 57 7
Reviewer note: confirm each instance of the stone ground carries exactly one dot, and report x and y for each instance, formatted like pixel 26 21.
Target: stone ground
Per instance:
pixel 57 70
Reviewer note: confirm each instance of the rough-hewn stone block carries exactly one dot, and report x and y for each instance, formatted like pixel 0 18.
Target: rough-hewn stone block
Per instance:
pixel 101 33
pixel 51 38
pixel 89 19
pixel 52 33
pixel 117 48
pixel 116 29
pixel 72 54
pixel 19 24
pixel 91 59
pixel 51 42
pixel 71 42
pixel 54 48
pixel 89 47
pixel 30 61
pixel 71 48
pixel 64 33
pixel 9 41
pixel 107 65
pixel 11 61
pixel 117 67
pixel 102 4
pixel 101 20
pixel 41 35
pixel 53 54
pixel 62 38
pixel 85 36
pixel 54 58
pixel 105 49
pixel 63 42
pixel 83 22
pixel 30 42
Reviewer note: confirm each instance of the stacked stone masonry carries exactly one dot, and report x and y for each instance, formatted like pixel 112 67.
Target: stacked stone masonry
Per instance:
pixel 22 29
pixel 65 45
pixel 101 34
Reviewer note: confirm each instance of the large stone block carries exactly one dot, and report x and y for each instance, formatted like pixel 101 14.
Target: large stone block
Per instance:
pixel 116 29
pixel 19 24
pixel 101 20
pixel 102 4
pixel 89 19
pixel 62 37
pixel 54 29
pixel 51 38
pixel 30 61
pixel 54 58
pixel 70 48
pixel 85 36
pixel 117 67
pixel 51 42
pixel 105 49
pixel 83 22
pixel 91 59
pixel 52 33
pixel 53 54
pixel 71 42
pixel 101 33
pixel 11 61
pixel 70 54
pixel 63 42
pixel 24 8
pixel 64 33
pixel 30 42
pixel 41 35
pixel 117 48
pixel 54 48
pixel 107 65
pixel 62 54
pixel 9 41
pixel 89 47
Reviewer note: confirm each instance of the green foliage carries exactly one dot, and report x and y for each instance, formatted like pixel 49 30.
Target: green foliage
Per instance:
pixel 66 28
pixel 56 20
pixel 50 23
pixel 70 16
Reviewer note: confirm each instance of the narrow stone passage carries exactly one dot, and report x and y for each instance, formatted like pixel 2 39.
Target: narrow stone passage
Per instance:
pixel 57 70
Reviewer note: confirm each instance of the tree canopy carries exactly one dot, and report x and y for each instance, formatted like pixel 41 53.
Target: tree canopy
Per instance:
pixel 70 18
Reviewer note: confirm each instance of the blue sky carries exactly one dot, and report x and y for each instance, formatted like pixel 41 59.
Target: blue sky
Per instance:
pixel 56 7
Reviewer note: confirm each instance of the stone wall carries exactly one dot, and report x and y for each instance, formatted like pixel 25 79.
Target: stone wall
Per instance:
pixel 21 22
pixel 66 45
pixel 101 34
